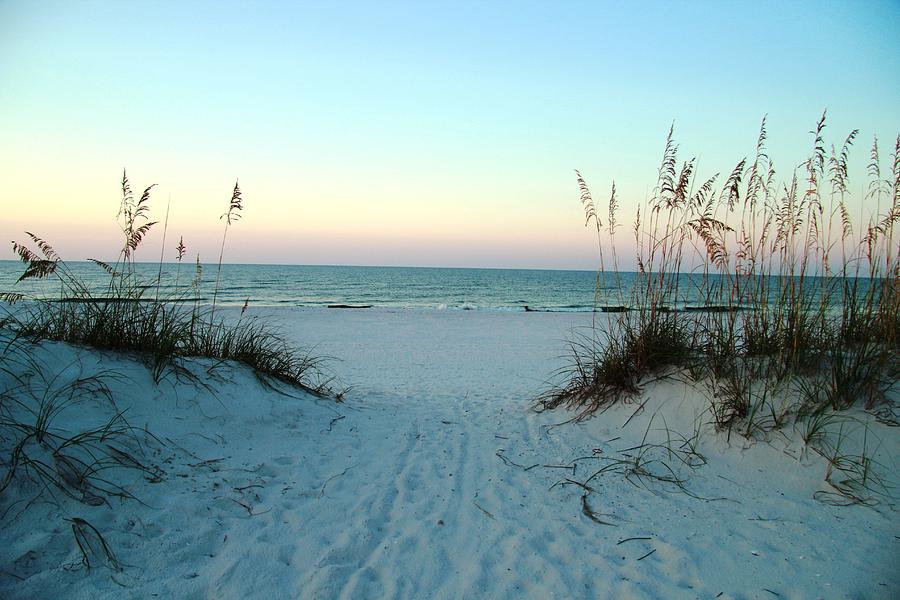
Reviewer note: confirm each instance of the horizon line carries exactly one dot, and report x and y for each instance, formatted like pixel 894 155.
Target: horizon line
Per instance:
pixel 283 264
pixel 255 264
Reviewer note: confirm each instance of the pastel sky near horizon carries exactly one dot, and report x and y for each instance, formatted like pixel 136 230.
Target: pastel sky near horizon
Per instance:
pixel 409 133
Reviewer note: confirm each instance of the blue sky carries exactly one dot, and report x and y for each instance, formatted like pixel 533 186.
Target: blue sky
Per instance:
pixel 412 133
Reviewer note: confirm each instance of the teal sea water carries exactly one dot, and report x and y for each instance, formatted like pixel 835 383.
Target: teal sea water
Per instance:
pixel 391 287
pixel 306 285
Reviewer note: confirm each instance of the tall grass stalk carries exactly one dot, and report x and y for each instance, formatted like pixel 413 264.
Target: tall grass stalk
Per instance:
pixel 233 214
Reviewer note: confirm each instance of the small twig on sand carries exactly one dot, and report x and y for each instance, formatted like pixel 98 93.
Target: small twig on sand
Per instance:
pixel 590 514
pixel 206 437
pixel 247 487
pixel 249 508
pixel 510 463
pixel 729 480
pixel 206 463
pixel 335 420
pixel 567 467
pixel 479 507
pixel 547 428
pixel 341 474
pixel 636 411
pixel 632 539
pixel 587 488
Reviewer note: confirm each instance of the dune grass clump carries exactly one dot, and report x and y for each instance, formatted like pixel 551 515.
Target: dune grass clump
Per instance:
pixel 130 314
pixel 610 365
pixel 772 298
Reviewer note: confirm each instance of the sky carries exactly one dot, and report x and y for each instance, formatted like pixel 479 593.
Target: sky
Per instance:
pixel 409 133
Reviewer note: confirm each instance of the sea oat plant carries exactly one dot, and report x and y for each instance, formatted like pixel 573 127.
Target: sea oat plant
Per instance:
pixel 159 327
pixel 769 296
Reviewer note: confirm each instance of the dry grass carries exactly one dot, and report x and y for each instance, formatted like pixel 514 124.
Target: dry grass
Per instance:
pixel 752 290
pixel 132 316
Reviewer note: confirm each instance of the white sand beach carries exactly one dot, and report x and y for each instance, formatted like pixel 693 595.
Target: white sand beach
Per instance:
pixel 435 479
pixel 449 300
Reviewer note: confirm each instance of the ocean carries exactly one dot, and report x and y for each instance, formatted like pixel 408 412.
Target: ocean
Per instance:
pixel 391 287
pixel 315 285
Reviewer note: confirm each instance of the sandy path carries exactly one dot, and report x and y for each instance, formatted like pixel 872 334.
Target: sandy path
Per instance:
pixel 429 510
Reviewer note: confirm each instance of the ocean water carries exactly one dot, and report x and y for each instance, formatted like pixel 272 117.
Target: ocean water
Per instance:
pixel 308 285
pixel 394 287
